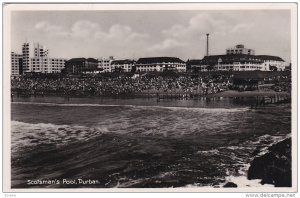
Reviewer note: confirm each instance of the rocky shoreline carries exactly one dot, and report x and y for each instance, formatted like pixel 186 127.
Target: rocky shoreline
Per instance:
pixel 275 166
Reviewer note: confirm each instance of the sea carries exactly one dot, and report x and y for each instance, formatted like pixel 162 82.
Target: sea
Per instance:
pixel 59 142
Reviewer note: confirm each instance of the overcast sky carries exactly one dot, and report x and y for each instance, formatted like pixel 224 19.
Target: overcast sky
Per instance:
pixel 134 34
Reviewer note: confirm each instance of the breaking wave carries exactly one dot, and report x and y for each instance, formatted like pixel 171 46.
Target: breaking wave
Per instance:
pixel 175 108
pixel 129 146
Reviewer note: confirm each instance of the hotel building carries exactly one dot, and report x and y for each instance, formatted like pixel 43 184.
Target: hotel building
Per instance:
pixel 46 65
pixel 272 62
pixel 35 59
pixel 238 58
pixel 160 64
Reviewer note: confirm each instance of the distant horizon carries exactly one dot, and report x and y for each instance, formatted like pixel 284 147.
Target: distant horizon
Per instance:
pixel 137 34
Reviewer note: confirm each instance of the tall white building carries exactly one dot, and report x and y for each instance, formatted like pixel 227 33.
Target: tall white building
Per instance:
pixel 33 55
pixel 27 53
pixel 16 64
pixel 35 59
pixel 40 50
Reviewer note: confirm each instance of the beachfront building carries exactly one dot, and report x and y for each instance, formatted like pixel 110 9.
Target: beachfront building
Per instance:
pixel 104 64
pixel 272 63
pixel 47 65
pixel 35 59
pixel 160 64
pixel 81 65
pixel 125 65
pixel 40 50
pixel 234 62
pixel 27 53
pixel 238 58
pixel 33 50
pixel 16 64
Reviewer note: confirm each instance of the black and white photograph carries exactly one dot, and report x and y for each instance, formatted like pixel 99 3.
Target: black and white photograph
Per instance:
pixel 155 97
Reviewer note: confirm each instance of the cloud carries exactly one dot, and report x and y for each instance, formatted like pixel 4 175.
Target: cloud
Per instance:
pixel 84 29
pixel 192 35
pixel 50 29
pixel 168 44
pixel 88 30
pixel 120 33
pixel 225 30
pixel 184 38
pixel 241 27
pixel 118 39
pixel 198 26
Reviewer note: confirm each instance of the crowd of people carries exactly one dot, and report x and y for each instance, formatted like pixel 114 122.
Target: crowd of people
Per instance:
pixel 119 85
pixel 141 84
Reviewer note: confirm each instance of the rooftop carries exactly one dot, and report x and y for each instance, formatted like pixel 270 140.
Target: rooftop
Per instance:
pixel 159 60
pixel 83 59
pixel 268 57
pixel 229 58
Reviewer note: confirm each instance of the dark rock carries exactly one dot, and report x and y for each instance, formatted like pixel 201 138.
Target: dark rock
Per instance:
pixel 274 167
pixel 230 185
pixel 255 152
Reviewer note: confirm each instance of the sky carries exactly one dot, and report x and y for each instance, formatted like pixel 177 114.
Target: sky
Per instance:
pixel 135 34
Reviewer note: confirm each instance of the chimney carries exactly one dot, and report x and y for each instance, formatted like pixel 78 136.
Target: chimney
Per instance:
pixel 207 46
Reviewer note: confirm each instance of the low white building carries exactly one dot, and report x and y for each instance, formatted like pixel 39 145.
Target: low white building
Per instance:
pixel 237 66
pixel 47 65
pixel 238 58
pixel 232 62
pixel 272 62
pixel 160 64
pixel 54 65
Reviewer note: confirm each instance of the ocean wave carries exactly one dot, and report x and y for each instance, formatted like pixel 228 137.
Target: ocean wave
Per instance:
pixel 209 152
pixel 174 108
pixel 29 134
pixel 71 104
pixel 263 143
pixel 243 182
